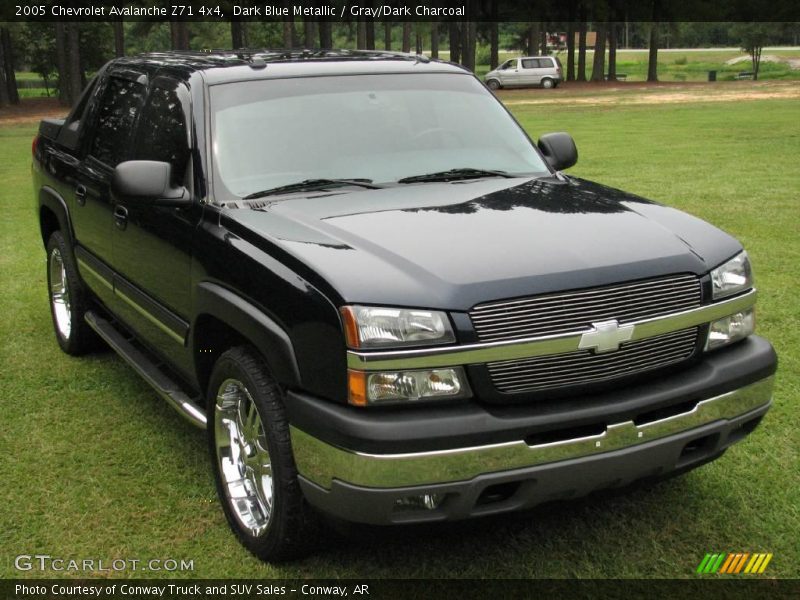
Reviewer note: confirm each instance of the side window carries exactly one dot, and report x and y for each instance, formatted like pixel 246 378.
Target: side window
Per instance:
pixel 529 63
pixel 162 132
pixel 509 64
pixel 116 116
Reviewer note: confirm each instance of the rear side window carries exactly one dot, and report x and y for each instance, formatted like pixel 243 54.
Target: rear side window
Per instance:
pixel 529 63
pixel 162 132
pixel 116 116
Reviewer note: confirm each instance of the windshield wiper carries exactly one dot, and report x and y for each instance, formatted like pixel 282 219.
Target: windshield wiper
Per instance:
pixel 310 185
pixel 455 175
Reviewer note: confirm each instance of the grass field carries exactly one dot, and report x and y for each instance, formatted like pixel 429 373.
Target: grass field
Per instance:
pixel 95 465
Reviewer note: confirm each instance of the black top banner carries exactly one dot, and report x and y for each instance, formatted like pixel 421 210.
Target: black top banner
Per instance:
pixel 776 11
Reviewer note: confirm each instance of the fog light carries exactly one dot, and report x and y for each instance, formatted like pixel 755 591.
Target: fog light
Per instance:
pixel 731 329
pixel 421 502
pixel 386 387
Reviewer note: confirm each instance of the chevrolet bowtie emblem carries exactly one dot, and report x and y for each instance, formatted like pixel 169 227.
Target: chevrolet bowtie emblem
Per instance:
pixel 605 336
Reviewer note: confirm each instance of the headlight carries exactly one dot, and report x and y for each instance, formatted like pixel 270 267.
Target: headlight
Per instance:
pixel 379 327
pixel 732 277
pixel 731 329
pixel 391 387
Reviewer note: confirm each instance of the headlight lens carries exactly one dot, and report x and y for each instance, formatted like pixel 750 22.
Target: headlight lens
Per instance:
pixel 731 329
pixel 377 327
pixel 732 277
pixel 389 387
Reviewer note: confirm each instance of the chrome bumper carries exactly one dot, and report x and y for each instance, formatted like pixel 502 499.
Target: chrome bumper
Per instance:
pixel 321 463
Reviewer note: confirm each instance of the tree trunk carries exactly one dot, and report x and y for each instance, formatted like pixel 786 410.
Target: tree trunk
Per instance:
pixel 756 61
pixel 74 62
pixel 652 61
pixel 288 33
pixel 4 96
pixel 570 52
pixel 325 35
pixel 237 35
pixel 543 35
pixel 435 39
pixel 406 36
pixel 455 42
pixel 494 40
pixel 581 76
pixel 119 39
pixel 179 32
pixel 61 63
pixel 8 66
pixel 417 41
pixel 361 34
pixel 468 58
pixel 309 34
pixel 387 35
pixel 370 34
pixel 599 62
pixel 533 39
pixel 612 52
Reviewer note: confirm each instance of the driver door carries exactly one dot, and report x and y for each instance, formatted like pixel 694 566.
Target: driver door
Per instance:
pixel 152 245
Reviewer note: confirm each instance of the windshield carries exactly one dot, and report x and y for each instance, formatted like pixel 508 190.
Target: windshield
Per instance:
pixel 380 128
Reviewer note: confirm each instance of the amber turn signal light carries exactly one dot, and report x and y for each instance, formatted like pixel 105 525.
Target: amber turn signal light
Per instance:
pixel 357 388
pixel 350 326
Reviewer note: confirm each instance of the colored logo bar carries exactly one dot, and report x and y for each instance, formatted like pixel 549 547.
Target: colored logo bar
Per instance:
pixel 735 562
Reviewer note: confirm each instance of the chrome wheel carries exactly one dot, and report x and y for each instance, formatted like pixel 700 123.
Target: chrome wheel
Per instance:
pixel 547 84
pixel 59 294
pixel 243 457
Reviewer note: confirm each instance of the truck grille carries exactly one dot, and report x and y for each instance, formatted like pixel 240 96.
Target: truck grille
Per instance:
pixel 581 367
pixel 573 312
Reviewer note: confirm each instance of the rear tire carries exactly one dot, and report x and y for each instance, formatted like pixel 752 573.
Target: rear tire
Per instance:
pixel 548 83
pixel 253 464
pixel 69 299
pixel 493 84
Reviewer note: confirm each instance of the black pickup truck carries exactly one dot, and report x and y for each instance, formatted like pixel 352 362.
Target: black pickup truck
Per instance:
pixel 382 300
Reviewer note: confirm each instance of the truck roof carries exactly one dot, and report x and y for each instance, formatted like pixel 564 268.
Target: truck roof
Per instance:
pixel 219 66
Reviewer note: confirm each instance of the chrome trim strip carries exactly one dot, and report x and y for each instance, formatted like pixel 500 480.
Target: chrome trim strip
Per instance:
pixel 321 462
pixel 84 268
pixel 466 354
pixel 146 314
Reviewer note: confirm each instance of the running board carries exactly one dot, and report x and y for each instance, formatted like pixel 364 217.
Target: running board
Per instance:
pixel 166 387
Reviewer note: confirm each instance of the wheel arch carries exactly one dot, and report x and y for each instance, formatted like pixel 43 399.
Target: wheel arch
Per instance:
pixel 53 215
pixel 224 320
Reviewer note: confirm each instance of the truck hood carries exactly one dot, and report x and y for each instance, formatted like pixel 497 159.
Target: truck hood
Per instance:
pixel 452 245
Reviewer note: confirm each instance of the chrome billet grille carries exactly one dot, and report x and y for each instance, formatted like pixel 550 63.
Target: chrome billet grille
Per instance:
pixel 583 367
pixel 575 311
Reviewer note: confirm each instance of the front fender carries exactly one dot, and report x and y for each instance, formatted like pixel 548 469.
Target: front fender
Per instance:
pixel 250 322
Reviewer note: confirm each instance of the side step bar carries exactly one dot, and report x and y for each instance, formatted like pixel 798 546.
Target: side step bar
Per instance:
pixel 166 387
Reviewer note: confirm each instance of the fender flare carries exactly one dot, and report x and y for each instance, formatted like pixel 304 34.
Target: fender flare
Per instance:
pixel 51 199
pixel 251 323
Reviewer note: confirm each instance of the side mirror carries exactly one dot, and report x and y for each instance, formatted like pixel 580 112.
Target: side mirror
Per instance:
pixel 147 182
pixel 559 150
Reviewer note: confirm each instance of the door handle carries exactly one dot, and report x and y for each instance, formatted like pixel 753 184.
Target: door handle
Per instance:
pixel 121 217
pixel 80 194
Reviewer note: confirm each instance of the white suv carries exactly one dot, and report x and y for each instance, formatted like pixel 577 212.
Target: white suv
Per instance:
pixel 544 71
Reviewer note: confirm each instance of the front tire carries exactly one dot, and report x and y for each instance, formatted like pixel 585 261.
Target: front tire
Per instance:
pixel 493 84
pixel 251 454
pixel 69 299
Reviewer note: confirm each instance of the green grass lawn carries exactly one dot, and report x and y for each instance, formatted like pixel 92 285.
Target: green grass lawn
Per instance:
pixel 95 465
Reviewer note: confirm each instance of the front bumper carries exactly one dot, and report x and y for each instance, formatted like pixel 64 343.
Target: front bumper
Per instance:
pixel 365 485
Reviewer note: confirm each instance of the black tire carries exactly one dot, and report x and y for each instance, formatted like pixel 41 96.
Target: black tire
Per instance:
pixel 72 332
pixel 548 83
pixel 493 84
pixel 291 524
